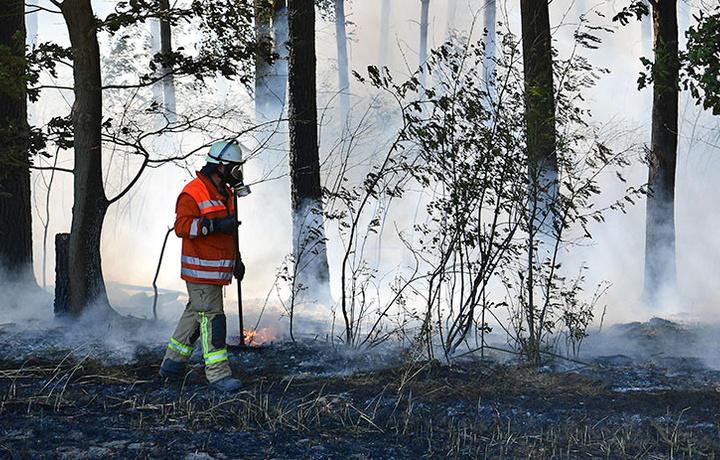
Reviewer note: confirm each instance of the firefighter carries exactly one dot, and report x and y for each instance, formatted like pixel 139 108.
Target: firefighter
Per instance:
pixel 207 224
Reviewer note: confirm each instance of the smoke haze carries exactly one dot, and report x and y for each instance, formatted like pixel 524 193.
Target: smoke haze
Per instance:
pixel 135 227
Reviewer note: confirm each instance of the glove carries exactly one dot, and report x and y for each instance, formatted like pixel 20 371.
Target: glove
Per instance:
pixel 239 270
pixel 227 225
pixel 207 226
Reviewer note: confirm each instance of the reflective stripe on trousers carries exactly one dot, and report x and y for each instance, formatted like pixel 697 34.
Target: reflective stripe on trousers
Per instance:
pixel 185 350
pixel 210 355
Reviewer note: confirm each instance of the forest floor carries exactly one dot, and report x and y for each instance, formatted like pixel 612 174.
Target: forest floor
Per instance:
pixel 309 400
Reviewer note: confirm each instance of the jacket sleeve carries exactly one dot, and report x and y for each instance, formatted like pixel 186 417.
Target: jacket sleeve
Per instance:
pixel 187 217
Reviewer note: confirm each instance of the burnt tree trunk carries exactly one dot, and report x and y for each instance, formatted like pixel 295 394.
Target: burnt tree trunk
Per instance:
pixel 308 232
pixel 15 212
pixel 541 153
pixel 62 277
pixel 660 265
pixel 87 287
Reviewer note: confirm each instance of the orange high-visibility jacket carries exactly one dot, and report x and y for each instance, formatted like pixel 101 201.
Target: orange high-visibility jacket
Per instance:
pixel 205 259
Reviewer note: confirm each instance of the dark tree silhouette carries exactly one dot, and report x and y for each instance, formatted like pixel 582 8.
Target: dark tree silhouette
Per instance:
pixel 540 146
pixel 660 264
pixel 86 283
pixel 15 212
pixel 308 233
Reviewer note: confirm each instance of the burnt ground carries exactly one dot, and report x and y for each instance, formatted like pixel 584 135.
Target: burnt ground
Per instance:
pixel 309 400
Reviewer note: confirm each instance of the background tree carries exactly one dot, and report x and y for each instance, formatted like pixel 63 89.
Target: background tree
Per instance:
pixel 540 146
pixel 423 48
pixel 489 61
pixel 87 286
pixel 309 248
pixel 161 37
pixel 263 59
pixel 384 33
pixel 15 215
pixel 342 60
pixel 660 262
pixel 451 13
pixel 660 257
pixel 271 59
pixel 227 49
pixel 701 63
pixel 279 74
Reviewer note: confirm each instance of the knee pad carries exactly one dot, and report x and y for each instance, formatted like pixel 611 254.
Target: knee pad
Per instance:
pixel 219 331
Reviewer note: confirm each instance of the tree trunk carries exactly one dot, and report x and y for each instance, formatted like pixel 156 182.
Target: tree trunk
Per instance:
pixel 541 154
pixel 342 60
pixel 87 287
pixel 279 74
pixel 168 82
pixel 161 42
pixel 270 75
pixel 308 233
pixel 61 305
pixel 384 33
pixel 422 54
pixel 263 66
pixel 660 268
pixel 15 210
pixel 489 61
pixel 646 34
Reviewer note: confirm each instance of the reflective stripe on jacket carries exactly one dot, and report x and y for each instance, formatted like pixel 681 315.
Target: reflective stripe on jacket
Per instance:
pixel 205 259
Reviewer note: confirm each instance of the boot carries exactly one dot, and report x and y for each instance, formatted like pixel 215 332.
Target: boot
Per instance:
pixel 226 384
pixel 172 369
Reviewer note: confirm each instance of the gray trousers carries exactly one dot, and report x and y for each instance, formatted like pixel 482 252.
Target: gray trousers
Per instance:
pixel 204 319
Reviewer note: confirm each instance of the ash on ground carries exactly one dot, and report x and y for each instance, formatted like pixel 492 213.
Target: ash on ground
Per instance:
pixel 65 393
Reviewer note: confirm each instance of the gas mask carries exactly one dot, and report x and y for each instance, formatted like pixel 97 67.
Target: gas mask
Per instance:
pixel 233 176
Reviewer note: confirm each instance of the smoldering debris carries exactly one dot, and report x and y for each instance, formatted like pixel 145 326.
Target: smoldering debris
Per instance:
pixel 658 341
pixel 97 394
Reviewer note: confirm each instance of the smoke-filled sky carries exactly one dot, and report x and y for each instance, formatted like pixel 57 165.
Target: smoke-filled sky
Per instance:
pixel 135 227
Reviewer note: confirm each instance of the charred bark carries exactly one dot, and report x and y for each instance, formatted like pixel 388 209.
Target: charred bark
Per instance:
pixel 15 212
pixel 539 96
pixel 87 286
pixel 61 304
pixel 309 236
pixel 660 264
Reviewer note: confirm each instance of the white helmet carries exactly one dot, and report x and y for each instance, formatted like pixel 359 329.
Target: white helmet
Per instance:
pixel 225 152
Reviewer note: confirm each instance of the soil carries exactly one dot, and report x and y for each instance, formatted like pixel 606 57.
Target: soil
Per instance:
pixel 310 400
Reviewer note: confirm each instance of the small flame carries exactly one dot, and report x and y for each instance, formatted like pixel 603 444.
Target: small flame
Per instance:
pixel 255 336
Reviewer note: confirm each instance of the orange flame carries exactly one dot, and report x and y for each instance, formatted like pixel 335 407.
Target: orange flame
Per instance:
pixel 258 336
